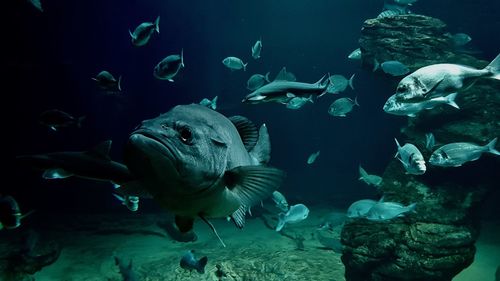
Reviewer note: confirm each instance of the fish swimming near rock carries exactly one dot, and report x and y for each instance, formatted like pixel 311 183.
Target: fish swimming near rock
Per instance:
pixel 257 80
pixel 458 153
pixel 411 158
pixel 256 49
pixel 284 88
pixel 169 67
pixel 56 119
pixel 394 68
pixel 443 79
pixel 355 55
pixel 280 201
pixel 397 106
pixel 296 213
pixel 197 163
pixel 189 262
pixel 10 213
pixel 369 179
pixel 360 208
pixel 342 106
pixel 210 103
pixel 143 32
pixel 126 270
pixel 234 63
pixel 383 211
pixel 298 102
pixel 312 158
pixel 107 81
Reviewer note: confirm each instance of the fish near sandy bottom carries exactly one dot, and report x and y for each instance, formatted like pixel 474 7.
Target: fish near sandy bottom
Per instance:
pixel 197 163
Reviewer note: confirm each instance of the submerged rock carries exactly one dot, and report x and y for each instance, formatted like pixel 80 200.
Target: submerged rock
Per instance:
pixel 437 241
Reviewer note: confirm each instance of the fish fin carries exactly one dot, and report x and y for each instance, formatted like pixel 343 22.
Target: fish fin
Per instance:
pixel 59 173
pixel 362 172
pixel 283 75
pixel 267 77
pixel 251 184
pixel 213 103
pixel 491 147
pixel 131 35
pixel 157 24
pixel 494 68
pixel 262 149
pixel 450 100
pixel 184 224
pixel 411 207
pixel 170 80
pixel 26 214
pixel 399 146
pixel 245 66
pixel 213 230
pixel 119 83
pixel 182 58
pixel 330 89
pixel 281 222
pixel 101 150
pixel 202 262
pixel 376 65
pixel 247 130
pixel 351 80
pixel 238 217
pixel 356 101
pixel 434 86
pixel 120 198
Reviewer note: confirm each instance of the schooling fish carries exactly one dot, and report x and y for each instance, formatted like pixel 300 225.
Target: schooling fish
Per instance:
pixel 197 163
pixel 394 68
pixel 383 211
pixel 189 262
pixel 256 81
pixel 339 83
pixel 234 63
pixel 107 81
pixel 342 106
pixel 298 102
pixel 143 32
pixel 458 153
pixel 443 79
pixel 280 201
pixel 284 88
pixel 168 68
pixel 411 158
pixel 296 213
pixel 256 49
pixel 397 106
pixel 369 179
pixel 210 103
pixel 56 119
pixel 360 208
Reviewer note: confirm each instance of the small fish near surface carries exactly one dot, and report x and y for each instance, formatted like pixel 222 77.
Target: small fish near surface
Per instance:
pixel 342 106
pixel 210 103
pixel 284 88
pixel 126 270
pixel 298 102
pixel 197 163
pixel 296 213
pixel 234 63
pixel 355 55
pixel 169 67
pixel 107 81
pixel 443 79
pixel 360 208
pixel 56 119
pixel 383 211
pixel 458 153
pixel 394 68
pixel 339 83
pixel 256 49
pixel 10 213
pixel 143 32
pixel 280 201
pixel 189 262
pixel 312 158
pixel 397 106
pixel 256 81
pixel 411 158
pixel 369 179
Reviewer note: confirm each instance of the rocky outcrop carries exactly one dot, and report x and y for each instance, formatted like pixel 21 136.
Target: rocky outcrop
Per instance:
pixel 437 241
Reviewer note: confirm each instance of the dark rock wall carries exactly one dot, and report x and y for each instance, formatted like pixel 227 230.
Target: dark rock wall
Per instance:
pixel 437 241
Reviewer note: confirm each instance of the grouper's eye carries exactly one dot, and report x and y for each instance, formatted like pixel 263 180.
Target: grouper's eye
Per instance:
pixel 185 135
pixel 401 89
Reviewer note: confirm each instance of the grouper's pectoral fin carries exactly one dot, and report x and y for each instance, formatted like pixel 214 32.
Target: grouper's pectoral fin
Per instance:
pixel 251 185
pixel 248 131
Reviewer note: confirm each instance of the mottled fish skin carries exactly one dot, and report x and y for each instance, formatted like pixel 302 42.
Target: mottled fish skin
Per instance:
pixel 456 154
pixel 443 79
pixel 143 32
pixel 168 68
pixel 383 211
pixel 360 208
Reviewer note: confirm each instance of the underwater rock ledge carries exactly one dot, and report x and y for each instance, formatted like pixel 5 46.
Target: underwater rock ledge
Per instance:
pixel 437 241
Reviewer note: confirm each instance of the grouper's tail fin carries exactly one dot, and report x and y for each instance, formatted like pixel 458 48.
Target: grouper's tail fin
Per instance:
pixel 494 68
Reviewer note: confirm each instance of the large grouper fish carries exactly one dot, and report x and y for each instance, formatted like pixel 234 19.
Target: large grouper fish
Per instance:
pixel 197 163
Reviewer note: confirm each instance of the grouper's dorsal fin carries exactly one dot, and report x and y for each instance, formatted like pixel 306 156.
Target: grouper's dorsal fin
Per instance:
pixel 284 75
pixel 252 184
pixel 101 150
pixel 247 130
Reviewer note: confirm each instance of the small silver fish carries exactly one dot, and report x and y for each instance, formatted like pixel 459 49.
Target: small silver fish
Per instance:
pixel 256 49
pixel 339 83
pixel 355 55
pixel 430 141
pixel 234 63
pixel 383 211
pixel 394 68
pixel 280 201
pixel 369 179
pixel 298 102
pixel 398 106
pixel 360 208
pixel 168 68
pixel 210 103
pixel 342 106
pixel 107 81
pixel 143 32
pixel 313 157
pixel 458 153
pixel 256 81
pixel 411 158
pixel 296 213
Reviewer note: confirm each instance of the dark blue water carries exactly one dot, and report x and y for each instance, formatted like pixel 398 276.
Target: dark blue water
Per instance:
pixel 51 57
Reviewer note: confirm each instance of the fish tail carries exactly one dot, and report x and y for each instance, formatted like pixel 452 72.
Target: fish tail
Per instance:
pixel 411 207
pixel 399 146
pixel 201 264
pixel 131 35
pixel 213 104
pixel 157 24
pixel 362 172
pixel 351 80
pixel 494 68
pixel 356 101
pixel 281 222
pixel 120 83
pixel 245 66
pixel 450 100
pixel 267 77
pixel 491 147
pixel 182 57
pixel 327 83
pixel 376 65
